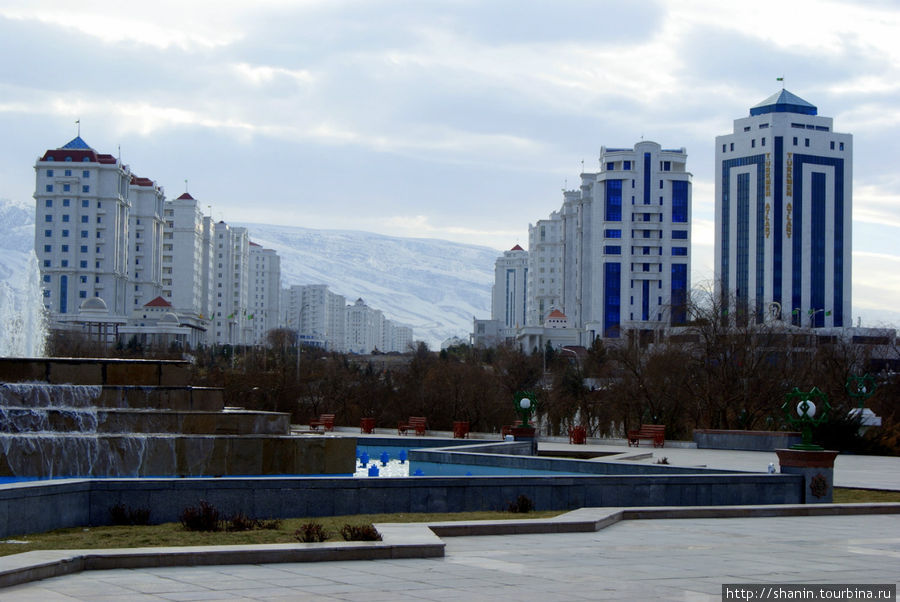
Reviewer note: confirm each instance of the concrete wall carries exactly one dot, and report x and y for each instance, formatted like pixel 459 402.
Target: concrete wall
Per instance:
pixel 41 506
pixel 746 440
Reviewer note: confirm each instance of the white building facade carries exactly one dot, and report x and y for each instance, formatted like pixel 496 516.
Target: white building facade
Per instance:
pixel 638 231
pixel 232 286
pixel 81 233
pixel 145 241
pixel 265 296
pixel 186 263
pixel 510 291
pixel 545 268
pixel 783 215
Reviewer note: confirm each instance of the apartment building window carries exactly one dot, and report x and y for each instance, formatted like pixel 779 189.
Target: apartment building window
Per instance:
pixel 66 202
pixel 49 173
pixel 65 233
pixel 85 189
pixel 85 174
pixel 65 248
pixel 84 219
pixel 65 217
pixel 85 203
pixel 84 234
pixel 48 218
pixel 47 248
pixel 48 233
pixel 841 146
pixel 48 203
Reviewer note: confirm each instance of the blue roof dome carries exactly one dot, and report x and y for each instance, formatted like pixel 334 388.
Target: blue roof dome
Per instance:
pixel 77 144
pixel 783 102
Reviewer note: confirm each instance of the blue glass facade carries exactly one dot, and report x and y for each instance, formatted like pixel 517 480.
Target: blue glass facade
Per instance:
pixel 817 243
pixel 612 298
pixel 613 212
pixel 679 202
pixel 646 178
pixel 645 300
pixel 742 263
pixel 63 294
pixel 777 213
pixel 725 233
pixel 679 293
pixel 837 300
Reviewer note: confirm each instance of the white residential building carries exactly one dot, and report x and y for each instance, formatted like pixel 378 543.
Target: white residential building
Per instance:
pixel 186 267
pixel 232 286
pixel 637 237
pixel 316 314
pixel 81 232
pixel 362 333
pixel 145 241
pixel 510 291
pixel 544 279
pixel 265 296
pixel 784 203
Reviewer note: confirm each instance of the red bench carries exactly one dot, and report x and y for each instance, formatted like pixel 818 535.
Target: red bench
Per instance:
pixel 415 423
pixel 578 435
pixel 326 421
pixel 367 425
pixel 653 432
pixel 461 429
pixel 507 429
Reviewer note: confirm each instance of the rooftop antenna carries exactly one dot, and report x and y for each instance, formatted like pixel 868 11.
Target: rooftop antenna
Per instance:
pixel 780 79
pixel 582 166
pixel 185 185
pixel 78 127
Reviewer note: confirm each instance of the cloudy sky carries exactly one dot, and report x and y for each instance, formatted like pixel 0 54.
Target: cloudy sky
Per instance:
pixel 451 119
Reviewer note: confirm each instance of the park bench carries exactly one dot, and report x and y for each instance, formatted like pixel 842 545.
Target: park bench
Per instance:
pixel 507 429
pixel 654 432
pixel 578 435
pixel 326 421
pixel 415 424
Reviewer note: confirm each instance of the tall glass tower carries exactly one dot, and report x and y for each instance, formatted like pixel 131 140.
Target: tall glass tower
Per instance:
pixel 783 215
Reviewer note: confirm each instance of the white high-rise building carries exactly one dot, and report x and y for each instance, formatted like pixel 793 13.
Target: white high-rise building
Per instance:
pixel 545 268
pixel 510 291
pixel 145 241
pixel 639 237
pixel 362 333
pixel 783 215
pixel 232 285
pixel 265 296
pixel 316 314
pixel 81 233
pixel 186 262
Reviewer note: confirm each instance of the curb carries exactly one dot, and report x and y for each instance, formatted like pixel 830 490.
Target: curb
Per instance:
pixel 399 540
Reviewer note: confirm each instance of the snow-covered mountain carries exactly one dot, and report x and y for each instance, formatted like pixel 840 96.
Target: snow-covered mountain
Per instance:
pixel 434 286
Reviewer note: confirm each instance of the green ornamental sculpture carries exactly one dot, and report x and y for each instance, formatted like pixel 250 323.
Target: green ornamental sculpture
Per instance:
pixel 526 404
pixel 861 388
pixel 806 410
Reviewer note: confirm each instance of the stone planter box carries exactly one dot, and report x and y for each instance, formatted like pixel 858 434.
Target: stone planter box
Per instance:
pixel 745 440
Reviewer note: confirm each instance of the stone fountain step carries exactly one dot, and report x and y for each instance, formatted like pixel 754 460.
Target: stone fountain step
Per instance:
pixel 40 395
pixel 137 455
pixel 82 371
pixel 128 420
pixel 162 398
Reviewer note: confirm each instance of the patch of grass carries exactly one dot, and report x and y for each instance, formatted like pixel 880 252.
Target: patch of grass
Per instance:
pixel 174 534
pixel 845 495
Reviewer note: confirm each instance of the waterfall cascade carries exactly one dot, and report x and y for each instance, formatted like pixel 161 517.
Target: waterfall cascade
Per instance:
pixel 156 425
pixel 22 318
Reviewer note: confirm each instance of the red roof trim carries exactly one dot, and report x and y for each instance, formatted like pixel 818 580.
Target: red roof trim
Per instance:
pixel 517 248
pixel 187 197
pixel 158 302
